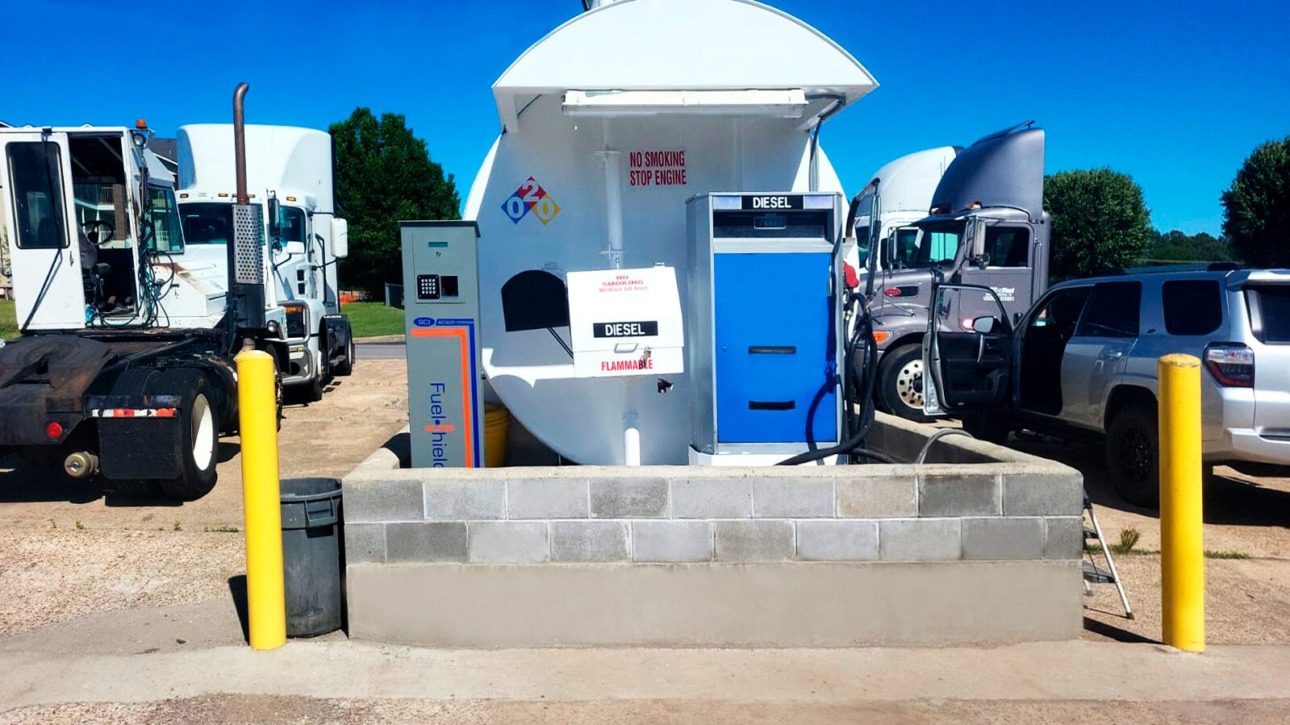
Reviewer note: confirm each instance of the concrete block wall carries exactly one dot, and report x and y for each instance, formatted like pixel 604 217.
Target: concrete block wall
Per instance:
pixel 981 547
pixel 680 514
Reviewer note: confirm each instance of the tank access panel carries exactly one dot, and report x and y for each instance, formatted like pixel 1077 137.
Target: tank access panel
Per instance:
pixel 441 306
pixel 765 328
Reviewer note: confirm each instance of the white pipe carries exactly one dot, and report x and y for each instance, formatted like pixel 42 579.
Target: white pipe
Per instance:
pixel 631 441
pixel 614 206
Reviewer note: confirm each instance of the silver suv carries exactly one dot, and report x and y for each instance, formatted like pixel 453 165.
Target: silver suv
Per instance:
pixel 1083 361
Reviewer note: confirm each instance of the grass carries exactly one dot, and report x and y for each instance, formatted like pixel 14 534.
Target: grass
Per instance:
pixel 368 319
pixel 223 529
pixel 1225 554
pixel 8 320
pixel 372 319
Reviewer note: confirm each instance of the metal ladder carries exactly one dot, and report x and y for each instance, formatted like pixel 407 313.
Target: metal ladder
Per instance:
pixel 1094 574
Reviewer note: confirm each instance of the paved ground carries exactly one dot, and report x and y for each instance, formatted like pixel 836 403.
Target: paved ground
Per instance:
pixel 381 349
pixel 351 682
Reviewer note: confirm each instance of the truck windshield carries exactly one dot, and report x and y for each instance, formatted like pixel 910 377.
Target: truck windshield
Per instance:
pixel 206 223
pixel 937 244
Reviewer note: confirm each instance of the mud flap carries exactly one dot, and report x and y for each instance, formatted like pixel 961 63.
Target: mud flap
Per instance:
pixel 141 448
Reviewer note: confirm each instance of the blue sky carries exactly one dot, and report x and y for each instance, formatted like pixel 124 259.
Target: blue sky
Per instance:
pixel 1175 94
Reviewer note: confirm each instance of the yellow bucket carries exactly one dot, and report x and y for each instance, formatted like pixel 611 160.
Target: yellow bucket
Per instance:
pixel 497 425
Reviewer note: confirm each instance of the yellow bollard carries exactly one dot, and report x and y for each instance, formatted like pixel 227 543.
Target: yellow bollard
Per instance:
pixel 257 415
pixel 1182 551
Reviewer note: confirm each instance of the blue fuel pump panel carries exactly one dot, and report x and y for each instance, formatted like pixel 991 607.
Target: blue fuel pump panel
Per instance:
pixel 441 305
pixel 765 335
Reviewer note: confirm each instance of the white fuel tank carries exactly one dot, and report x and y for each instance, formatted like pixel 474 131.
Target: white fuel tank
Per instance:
pixel 610 123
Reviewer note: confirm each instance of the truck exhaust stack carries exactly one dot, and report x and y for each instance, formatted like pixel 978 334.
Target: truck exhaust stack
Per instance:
pixel 245 254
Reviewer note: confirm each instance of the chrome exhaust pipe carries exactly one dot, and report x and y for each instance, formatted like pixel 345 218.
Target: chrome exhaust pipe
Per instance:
pixel 239 142
pixel 81 465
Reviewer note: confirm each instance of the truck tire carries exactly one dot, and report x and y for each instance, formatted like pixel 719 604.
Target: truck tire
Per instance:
pixel 1133 455
pixel 900 382
pixel 200 434
pixel 346 366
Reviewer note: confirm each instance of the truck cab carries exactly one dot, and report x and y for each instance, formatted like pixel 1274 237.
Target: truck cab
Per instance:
pixel 81 258
pixel 986 226
pixel 290 175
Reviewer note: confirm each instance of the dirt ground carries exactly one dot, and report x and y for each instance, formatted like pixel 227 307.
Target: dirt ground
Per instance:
pixel 67 551
pixel 1246 519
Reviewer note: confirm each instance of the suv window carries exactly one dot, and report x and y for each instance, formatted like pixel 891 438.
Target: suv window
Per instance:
pixel 1270 304
pixel 1007 246
pixel 1112 311
pixel 1192 306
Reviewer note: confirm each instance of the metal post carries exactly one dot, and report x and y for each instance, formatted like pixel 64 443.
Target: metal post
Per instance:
pixel 257 416
pixel 1182 552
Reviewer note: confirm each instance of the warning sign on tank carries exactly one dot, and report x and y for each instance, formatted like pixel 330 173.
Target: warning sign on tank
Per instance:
pixel 625 322
pixel 531 197
pixel 657 167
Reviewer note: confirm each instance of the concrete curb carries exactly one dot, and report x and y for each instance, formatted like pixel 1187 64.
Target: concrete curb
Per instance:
pixel 378 339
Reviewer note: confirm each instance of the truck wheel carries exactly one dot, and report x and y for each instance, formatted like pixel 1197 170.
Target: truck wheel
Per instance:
pixel 993 427
pixel 1133 455
pixel 346 366
pixel 900 382
pixel 201 437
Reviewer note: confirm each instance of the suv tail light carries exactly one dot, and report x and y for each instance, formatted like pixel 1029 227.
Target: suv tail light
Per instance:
pixel 1231 364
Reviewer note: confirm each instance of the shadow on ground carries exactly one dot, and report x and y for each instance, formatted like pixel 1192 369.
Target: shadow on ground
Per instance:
pixel 1230 498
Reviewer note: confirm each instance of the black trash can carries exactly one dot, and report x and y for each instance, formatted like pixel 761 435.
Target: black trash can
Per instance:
pixel 311 551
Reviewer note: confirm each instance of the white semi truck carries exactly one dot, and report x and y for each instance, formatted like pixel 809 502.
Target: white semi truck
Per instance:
pixel 886 220
pixel 289 174
pixel 124 373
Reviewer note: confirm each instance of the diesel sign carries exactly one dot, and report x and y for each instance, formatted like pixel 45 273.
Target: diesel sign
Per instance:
pixel 762 203
pixel 644 328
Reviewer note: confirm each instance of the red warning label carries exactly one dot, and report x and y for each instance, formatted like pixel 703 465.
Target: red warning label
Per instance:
pixel 660 167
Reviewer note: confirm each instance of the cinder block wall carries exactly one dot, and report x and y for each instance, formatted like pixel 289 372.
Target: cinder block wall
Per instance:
pixel 933 554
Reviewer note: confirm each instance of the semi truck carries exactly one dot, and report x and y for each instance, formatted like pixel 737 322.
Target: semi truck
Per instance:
pixel 907 184
pixel 289 174
pixel 985 225
pixel 124 372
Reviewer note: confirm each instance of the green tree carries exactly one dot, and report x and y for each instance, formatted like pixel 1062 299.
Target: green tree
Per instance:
pixel 1099 222
pixel 1177 246
pixel 383 175
pixel 1256 208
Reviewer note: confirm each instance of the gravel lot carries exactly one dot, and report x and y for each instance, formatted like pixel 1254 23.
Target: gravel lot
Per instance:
pixel 66 551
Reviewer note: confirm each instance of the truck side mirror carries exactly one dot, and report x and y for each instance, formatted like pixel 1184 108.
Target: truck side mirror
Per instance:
pixel 275 226
pixel 339 238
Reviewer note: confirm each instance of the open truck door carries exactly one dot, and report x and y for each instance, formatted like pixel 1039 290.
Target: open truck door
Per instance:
pixel 41 226
pixel 967 351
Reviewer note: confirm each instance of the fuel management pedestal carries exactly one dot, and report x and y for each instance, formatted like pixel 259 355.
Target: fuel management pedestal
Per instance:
pixel 441 302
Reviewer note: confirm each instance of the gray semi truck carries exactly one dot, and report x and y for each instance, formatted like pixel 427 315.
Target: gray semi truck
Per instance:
pixel 986 226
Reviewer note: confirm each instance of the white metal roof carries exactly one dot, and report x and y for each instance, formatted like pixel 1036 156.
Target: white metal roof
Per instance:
pixel 682 45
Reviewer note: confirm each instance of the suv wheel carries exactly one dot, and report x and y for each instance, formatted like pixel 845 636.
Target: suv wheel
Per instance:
pixel 900 382
pixel 1133 455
